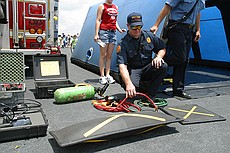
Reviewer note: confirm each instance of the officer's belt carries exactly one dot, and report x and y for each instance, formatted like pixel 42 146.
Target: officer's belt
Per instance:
pixel 186 25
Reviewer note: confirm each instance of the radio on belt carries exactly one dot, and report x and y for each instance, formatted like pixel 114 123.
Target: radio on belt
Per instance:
pixel 50 74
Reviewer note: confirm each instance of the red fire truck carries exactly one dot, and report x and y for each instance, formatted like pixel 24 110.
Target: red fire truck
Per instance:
pixel 29 26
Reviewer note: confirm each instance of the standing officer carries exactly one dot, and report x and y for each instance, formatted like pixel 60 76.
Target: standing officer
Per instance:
pixel 135 60
pixel 180 38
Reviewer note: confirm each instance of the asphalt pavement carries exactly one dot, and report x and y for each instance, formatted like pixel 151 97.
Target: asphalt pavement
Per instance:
pixel 211 137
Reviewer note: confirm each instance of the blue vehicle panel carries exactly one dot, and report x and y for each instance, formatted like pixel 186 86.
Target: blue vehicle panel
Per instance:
pixel 213 45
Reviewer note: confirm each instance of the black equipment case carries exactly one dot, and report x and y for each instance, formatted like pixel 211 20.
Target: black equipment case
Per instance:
pixel 50 74
pixel 18 119
pixel 37 127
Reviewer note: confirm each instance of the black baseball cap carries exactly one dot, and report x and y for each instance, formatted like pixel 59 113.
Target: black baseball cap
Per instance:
pixel 135 19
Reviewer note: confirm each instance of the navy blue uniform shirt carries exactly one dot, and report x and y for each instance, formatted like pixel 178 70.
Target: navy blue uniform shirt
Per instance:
pixel 137 53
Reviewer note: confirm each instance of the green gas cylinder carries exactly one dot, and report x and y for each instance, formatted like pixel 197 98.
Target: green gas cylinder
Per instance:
pixel 72 94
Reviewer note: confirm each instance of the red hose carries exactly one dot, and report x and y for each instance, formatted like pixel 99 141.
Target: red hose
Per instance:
pixel 122 105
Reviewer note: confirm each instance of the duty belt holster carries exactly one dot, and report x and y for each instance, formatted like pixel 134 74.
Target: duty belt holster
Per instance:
pixel 170 26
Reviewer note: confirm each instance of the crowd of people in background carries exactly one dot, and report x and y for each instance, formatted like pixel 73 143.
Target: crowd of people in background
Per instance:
pixel 67 41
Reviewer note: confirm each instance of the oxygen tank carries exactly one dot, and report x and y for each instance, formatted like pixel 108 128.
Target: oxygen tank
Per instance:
pixel 73 94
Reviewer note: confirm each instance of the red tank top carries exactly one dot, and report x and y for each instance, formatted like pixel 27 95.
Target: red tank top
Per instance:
pixel 109 17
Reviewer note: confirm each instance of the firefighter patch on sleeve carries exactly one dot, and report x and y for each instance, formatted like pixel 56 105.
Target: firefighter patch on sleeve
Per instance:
pixel 118 49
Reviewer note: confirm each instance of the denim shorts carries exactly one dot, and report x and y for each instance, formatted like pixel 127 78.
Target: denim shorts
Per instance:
pixel 108 36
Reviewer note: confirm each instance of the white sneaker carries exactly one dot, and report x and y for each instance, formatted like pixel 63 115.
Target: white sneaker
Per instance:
pixel 103 80
pixel 110 79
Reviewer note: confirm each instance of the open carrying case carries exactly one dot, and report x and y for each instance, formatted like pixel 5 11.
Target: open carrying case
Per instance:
pixel 19 118
pixel 37 126
pixel 12 76
pixel 50 74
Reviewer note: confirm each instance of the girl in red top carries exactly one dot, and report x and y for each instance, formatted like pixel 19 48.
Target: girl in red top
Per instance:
pixel 105 35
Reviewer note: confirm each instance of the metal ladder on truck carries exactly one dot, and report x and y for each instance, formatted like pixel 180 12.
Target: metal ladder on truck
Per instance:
pixel 40 36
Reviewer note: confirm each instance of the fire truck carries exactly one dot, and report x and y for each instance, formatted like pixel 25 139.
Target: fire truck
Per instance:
pixel 29 26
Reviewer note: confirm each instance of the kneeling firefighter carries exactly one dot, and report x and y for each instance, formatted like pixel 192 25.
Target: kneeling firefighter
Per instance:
pixel 140 71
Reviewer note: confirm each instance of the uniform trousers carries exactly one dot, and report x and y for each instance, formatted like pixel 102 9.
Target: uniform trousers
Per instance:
pixel 178 48
pixel 148 78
